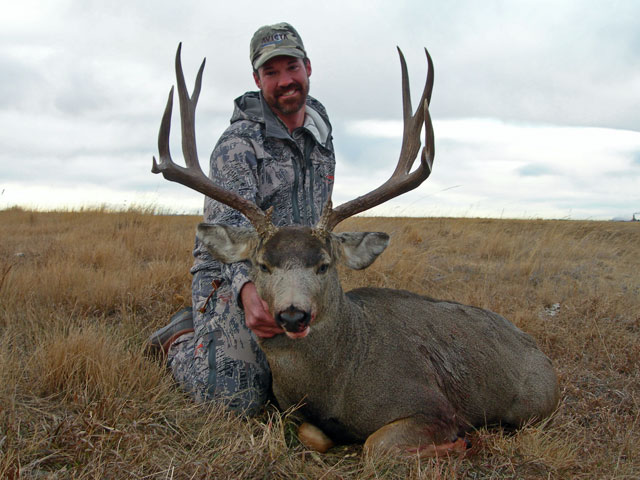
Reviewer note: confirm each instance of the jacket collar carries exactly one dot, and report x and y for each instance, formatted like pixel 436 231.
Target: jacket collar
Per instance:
pixel 253 107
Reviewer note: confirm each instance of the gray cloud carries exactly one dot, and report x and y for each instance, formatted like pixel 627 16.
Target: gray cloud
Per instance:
pixel 19 82
pixel 532 170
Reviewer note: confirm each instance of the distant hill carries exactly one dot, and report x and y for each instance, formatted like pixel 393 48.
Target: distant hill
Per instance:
pixel 635 217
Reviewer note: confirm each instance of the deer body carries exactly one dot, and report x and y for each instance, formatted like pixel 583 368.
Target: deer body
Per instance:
pixel 394 354
pixel 361 360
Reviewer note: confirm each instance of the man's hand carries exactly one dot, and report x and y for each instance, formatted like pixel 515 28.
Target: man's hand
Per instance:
pixel 256 312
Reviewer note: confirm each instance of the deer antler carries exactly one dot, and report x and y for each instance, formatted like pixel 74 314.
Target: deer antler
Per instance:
pixel 402 180
pixel 192 176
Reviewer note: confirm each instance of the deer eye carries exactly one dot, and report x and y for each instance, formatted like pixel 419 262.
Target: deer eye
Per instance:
pixel 263 268
pixel 323 268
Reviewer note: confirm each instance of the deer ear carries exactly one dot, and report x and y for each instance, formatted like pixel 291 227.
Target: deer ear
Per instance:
pixel 228 244
pixel 358 250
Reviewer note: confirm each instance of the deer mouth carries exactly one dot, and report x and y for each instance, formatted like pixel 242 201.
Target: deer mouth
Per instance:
pixel 300 334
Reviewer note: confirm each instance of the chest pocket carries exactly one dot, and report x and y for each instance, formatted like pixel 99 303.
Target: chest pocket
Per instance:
pixel 289 186
pixel 324 166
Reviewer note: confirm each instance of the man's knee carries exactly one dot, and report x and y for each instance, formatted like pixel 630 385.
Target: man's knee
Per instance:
pixel 243 388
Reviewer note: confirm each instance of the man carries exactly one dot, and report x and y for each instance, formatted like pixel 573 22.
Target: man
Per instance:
pixel 277 152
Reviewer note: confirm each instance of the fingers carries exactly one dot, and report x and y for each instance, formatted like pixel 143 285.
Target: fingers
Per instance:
pixel 266 332
pixel 257 316
pixel 265 306
pixel 260 321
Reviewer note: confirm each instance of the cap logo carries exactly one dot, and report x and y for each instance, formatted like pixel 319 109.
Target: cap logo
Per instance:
pixel 273 39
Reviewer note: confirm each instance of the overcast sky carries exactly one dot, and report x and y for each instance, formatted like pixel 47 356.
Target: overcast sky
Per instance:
pixel 536 104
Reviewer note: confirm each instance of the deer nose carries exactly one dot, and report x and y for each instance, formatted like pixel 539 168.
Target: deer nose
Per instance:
pixel 293 319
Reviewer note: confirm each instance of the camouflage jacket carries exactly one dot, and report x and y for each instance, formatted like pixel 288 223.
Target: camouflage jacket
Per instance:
pixel 258 158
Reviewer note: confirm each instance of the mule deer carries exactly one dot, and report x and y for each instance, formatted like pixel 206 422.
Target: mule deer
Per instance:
pixel 397 369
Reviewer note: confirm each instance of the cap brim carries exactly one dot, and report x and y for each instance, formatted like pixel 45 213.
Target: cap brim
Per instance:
pixel 288 52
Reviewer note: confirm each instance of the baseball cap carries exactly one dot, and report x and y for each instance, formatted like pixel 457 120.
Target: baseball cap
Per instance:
pixel 272 40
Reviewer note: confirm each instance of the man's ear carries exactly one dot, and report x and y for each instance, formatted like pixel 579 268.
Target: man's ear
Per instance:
pixel 256 78
pixel 358 250
pixel 228 244
pixel 307 66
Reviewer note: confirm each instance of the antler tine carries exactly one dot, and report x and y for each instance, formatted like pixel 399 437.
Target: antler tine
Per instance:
pixel 402 180
pixel 163 137
pixel 412 122
pixel 193 176
pixel 188 111
pixel 428 87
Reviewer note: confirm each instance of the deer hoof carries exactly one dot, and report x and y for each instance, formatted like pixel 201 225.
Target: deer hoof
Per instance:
pixel 314 438
pixel 458 447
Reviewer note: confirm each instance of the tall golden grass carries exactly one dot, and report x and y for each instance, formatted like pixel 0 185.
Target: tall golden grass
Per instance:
pixel 81 291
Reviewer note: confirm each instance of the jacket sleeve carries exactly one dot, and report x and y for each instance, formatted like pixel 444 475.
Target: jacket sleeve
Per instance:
pixel 233 167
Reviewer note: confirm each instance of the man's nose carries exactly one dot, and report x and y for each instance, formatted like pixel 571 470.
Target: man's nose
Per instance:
pixel 285 79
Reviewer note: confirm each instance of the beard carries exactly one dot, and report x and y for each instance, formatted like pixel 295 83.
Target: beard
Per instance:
pixel 289 105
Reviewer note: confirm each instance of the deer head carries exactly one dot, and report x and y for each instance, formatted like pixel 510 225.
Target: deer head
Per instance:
pixel 295 270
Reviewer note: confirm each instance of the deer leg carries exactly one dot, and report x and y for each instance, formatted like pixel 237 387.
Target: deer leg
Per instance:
pixel 314 438
pixel 415 435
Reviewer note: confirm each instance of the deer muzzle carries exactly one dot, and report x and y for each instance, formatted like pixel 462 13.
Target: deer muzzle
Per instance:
pixel 294 321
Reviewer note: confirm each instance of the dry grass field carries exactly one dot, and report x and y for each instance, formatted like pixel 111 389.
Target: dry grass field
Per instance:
pixel 81 291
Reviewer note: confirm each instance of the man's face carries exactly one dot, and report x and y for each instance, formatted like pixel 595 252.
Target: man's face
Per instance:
pixel 284 82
